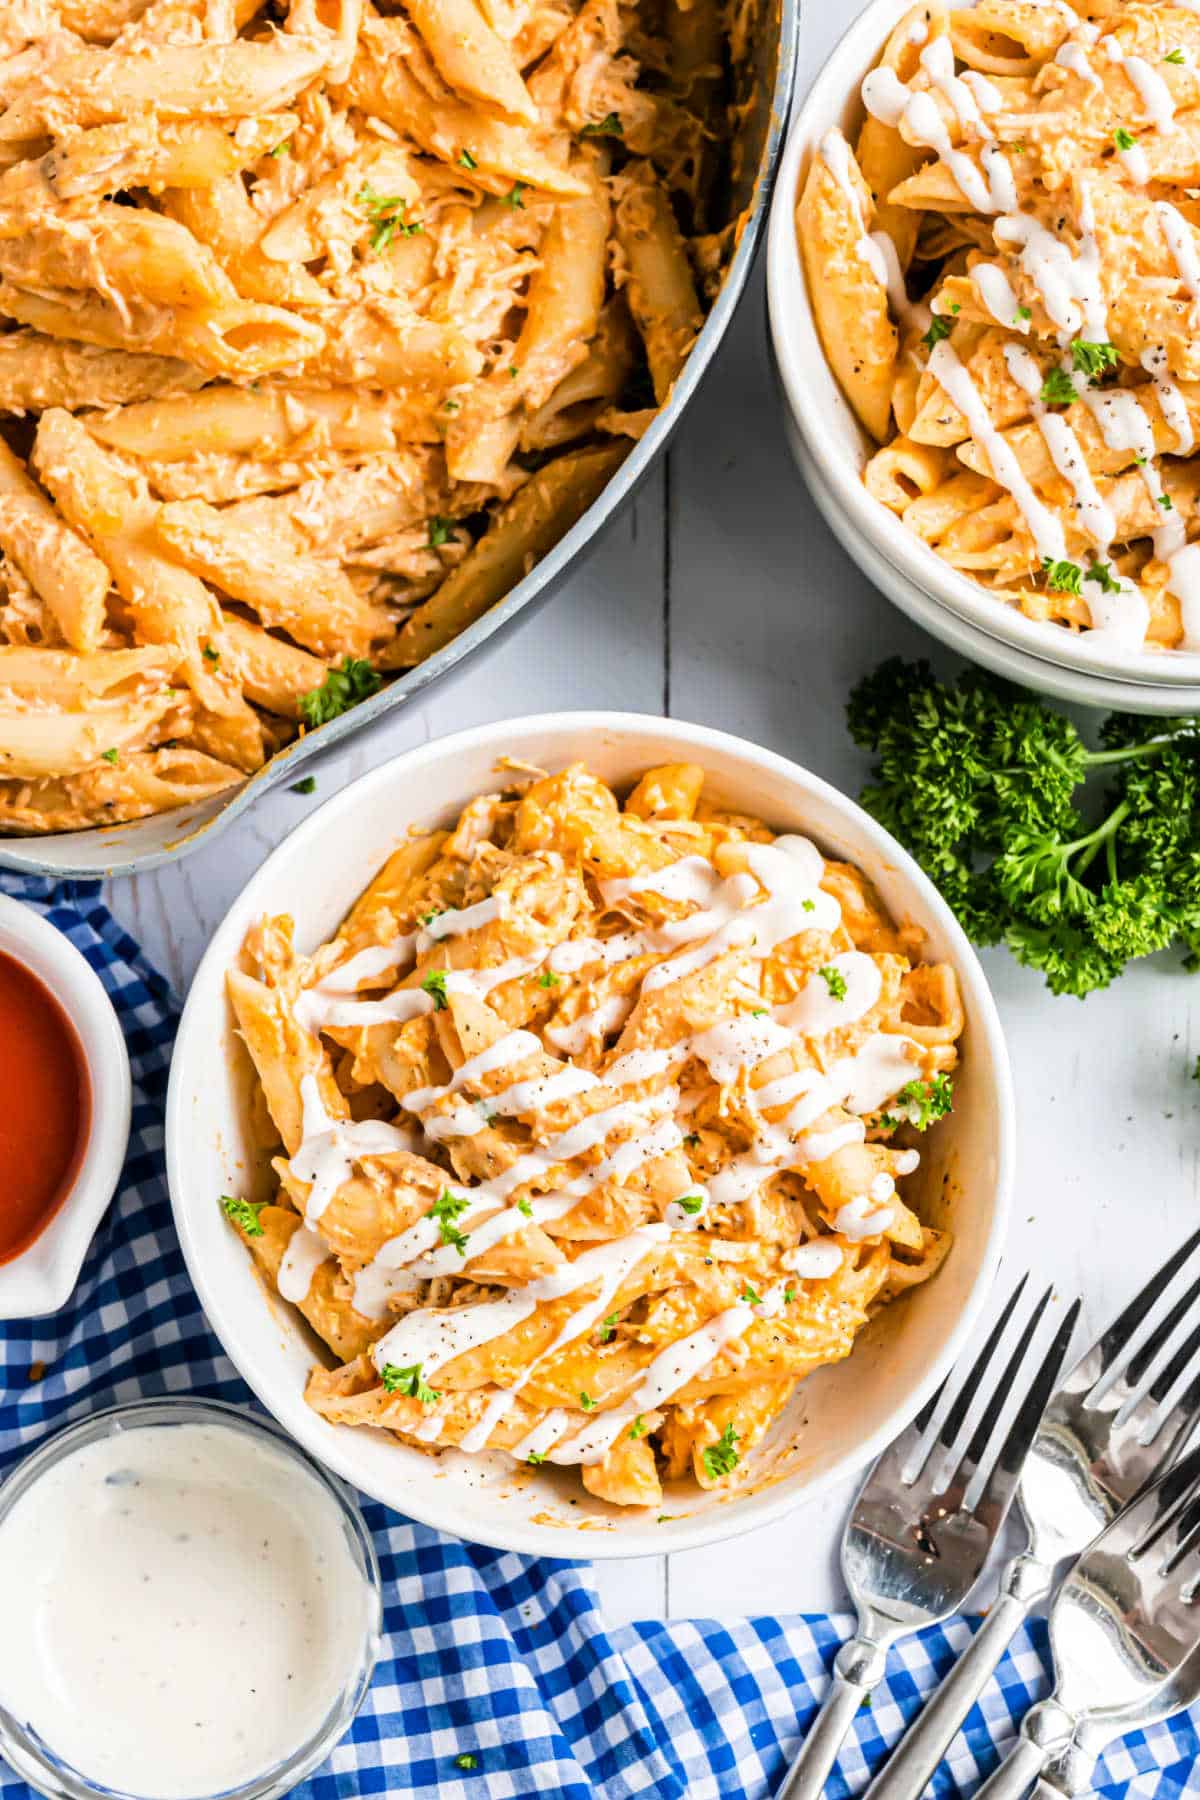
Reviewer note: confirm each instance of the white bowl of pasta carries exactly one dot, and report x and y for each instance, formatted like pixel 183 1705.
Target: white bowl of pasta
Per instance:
pixel 575 1076
pixel 1007 516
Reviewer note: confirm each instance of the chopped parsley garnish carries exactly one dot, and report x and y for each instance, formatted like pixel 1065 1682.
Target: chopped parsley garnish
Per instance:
pixel 110 756
pixel 608 1328
pixel 1058 389
pixel 834 980
pixel 587 1403
pixel 939 328
pixel 1167 504
pixel 341 689
pixel 408 1381
pixel 692 1139
pixel 1093 360
pixel 1023 314
pixel 1102 573
pixel 1139 461
pixel 452 405
pixel 466 1760
pixel 1124 140
pixel 526 1207
pixel 750 1295
pixel 434 985
pixel 920 1103
pixel 789 1294
pixel 244 1214
pixel 722 1458
pixel 638 1428
pixel 466 160
pixel 535 1457
pixel 307 786
pixel 513 370
pixel 386 211
pixel 1062 577
pixel 513 197
pixel 439 531
pixel 548 979
pixel 284 149
pixel 808 906
pixel 691 1204
pixel 1175 56
pixel 427 918
pixel 210 655
pixel 760 1012
pixel 445 1211
pixel 609 126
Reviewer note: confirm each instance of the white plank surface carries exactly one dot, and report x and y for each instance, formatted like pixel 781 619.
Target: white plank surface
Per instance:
pixel 721 597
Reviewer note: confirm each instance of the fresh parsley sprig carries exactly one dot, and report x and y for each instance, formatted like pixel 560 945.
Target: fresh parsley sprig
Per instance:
pixel 341 689
pixel 1079 860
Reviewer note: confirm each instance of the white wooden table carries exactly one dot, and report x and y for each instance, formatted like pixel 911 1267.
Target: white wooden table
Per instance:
pixel 721 597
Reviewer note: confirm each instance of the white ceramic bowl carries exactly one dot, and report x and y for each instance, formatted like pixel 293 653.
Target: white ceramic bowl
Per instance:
pixel 842 1416
pixel 831 449
pixel 41 1278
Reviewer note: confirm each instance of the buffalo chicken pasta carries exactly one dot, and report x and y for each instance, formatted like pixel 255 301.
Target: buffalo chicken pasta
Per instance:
pixel 586 1129
pixel 1005 274
pixel 320 322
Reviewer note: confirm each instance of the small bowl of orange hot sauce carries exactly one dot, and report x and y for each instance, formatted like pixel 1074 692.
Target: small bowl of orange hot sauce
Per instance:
pixel 64 1111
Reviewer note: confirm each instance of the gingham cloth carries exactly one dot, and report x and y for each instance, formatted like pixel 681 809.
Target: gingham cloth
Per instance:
pixel 486 1654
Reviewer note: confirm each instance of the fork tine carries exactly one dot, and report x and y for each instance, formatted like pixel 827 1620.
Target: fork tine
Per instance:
pixel 1161 1506
pixel 1020 1435
pixel 969 1388
pixel 1145 1356
pixel 1177 1423
pixel 1111 1343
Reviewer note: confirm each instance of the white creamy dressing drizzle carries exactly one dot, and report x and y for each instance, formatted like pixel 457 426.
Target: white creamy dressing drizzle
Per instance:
pixel 305 1253
pixel 815 1261
pixel 609 1016
pixel 952 374
pixel 783 882
pixel 1066 452
pixel 1181 242
pixel 331 1147
pixel 190 1608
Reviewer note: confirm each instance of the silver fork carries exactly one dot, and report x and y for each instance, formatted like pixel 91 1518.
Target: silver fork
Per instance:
pixel 1088 1459
pixel 1125 1633
pixel 914 1547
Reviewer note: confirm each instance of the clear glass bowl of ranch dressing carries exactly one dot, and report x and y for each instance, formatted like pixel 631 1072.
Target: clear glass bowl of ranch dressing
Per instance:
pixel 199 1608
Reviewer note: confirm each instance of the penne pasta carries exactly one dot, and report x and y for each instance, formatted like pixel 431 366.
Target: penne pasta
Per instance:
pixel 319 325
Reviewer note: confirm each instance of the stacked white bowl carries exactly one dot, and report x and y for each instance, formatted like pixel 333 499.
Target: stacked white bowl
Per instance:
pixel 831 449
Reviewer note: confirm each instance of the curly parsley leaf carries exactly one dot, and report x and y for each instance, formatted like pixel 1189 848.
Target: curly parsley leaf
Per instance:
pixel 341 689
pixel 1078 859
pixel 408 1381
pixel 244 1214
pixel 722 1458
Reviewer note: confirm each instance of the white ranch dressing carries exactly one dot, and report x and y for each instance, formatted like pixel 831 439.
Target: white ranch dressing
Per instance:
pixel 1174 406
pixel 1181 242
pixel 306 1251
pixel 609 1016
pixel 455 920
pixel 331 1147
pixel 1066 451
pixel 835 154
pixel 816 1260
pixel 817 1007
pixel 190 1610
pixel 952 374
pixel 995 290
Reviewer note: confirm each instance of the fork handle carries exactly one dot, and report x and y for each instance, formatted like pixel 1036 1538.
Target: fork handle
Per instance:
pixel 915 1760
pixel 1045 1730
pixel 857 1669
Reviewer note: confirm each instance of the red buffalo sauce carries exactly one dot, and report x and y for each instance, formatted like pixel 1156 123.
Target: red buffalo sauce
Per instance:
pixel 45 1107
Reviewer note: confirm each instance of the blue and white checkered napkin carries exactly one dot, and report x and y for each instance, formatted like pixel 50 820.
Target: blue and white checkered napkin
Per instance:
pixel 497 1656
